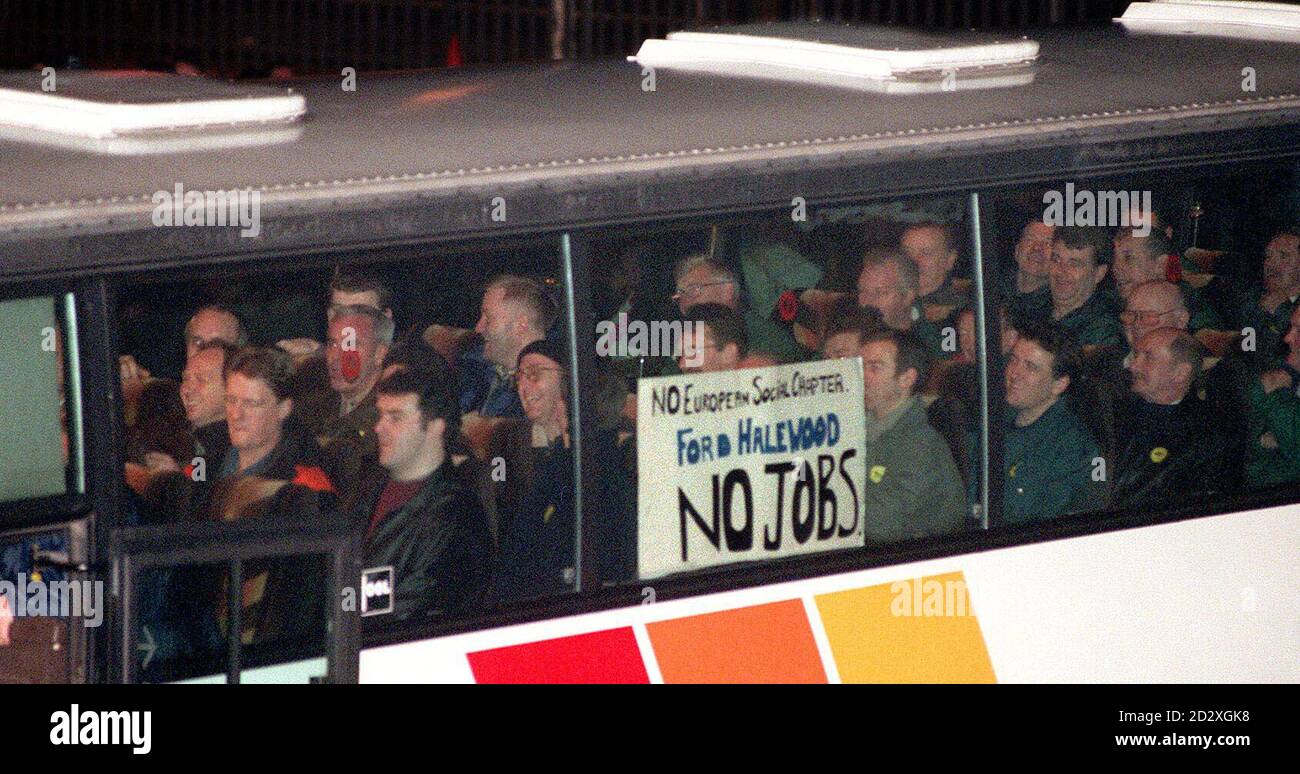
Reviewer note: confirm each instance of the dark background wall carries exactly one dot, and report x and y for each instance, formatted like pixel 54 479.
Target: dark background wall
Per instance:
pixel 252 37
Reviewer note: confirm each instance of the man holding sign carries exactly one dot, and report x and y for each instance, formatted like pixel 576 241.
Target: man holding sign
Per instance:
pixel 913 488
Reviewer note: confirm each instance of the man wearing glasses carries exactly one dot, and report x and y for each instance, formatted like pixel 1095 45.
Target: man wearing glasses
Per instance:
pixel 703 280
pixel 1149 306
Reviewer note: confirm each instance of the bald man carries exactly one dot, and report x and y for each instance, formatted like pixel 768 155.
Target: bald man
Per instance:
pixel 1141 259
pixel 1152 305
pixel 1172 444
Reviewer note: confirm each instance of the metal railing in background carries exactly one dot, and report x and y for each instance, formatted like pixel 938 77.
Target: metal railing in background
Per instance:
pixel 251 38
pixel 133 551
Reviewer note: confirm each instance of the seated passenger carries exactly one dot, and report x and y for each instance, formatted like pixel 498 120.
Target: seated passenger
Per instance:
pixel 265 440
pixel 1049 457
pixel 537 548
pixel 211 323
pixel 844 332
pixel 273 468
pixel 778 291
pixel 203 393
pixel 1274 453
pixel 351 288
pixel 1270 314
pixel 720 336
pixel 888 283
pixel 421 519
pixel 1141 259
pixel 931 247
pixel 214 322
pixel 1026 289
pixel 359 338
pixel 913 488
pixel 515 312
pixel 1171 446
pixel 1080 304
pixel 702 280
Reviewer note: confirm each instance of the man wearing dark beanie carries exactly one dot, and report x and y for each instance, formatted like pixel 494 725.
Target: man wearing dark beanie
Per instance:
pixel 537 552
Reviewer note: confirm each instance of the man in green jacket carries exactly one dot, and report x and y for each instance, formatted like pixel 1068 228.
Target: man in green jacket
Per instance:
pixel 890 283
pixel 1082 306
pixel 1274 451
pixel 913 488
pixel 1053 465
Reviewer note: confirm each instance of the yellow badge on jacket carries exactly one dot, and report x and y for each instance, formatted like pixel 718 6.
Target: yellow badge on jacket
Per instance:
pixel 546 516
pixel 1158 454
pixel 877 473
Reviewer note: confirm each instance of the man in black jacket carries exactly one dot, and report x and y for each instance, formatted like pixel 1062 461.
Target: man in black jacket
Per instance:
pixel 1174 447
pixel 427 548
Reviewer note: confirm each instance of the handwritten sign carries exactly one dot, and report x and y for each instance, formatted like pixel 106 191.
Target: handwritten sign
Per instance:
pixel 747 465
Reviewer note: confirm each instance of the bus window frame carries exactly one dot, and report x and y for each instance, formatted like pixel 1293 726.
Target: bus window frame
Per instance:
pixel 84 395
pixel 997 536
pixel 95 292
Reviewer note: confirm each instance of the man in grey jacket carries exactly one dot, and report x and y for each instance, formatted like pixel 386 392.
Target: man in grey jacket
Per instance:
pixel 913 488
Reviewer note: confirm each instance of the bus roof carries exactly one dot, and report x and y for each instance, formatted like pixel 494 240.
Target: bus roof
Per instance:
pixel 594 131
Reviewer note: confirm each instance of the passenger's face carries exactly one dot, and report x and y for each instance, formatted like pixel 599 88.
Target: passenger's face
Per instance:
pixel 1074 275
pixel 401 434
pixel 710 358
pixel 203 390
pixel 499 323
pixel 882 388
pixel 1029 376
pixel 881 288
pixel 1135 262
pixel 541 387
pixel 1155 372
pixel 1034 249
pixel 928 250
pixel 1145 311
pixel 252 413
pixel 340 298
pixel 210 325
pixel 841 345
pixel 352 353
pixel 1293 340
pixel 701 286
pixel 1282 263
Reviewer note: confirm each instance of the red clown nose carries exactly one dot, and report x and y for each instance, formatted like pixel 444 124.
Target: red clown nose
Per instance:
pixel 351 365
